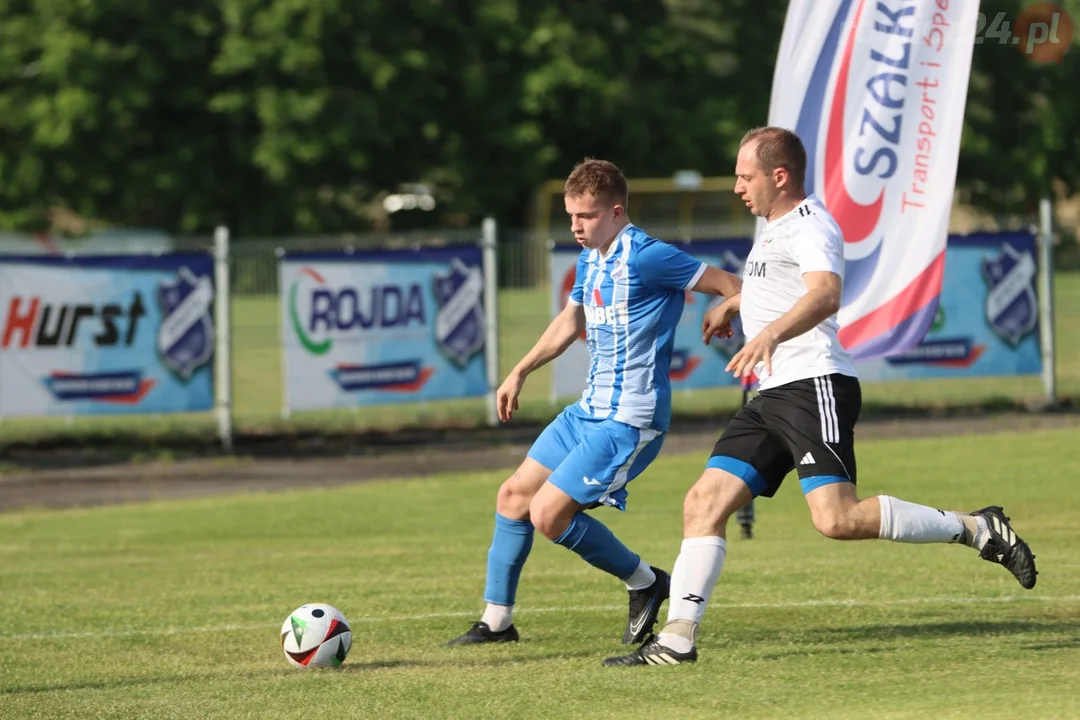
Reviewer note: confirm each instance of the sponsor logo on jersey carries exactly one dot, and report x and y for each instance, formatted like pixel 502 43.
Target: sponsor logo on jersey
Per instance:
pixel 617 314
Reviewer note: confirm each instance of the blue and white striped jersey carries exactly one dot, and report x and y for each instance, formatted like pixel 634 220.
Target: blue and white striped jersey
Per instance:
pixel 633 298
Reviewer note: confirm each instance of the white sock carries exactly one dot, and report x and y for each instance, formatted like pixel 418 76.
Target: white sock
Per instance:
pixel 694 576
pixel 497 617
pixel 906 522
pixel 641 578
pixel 982 535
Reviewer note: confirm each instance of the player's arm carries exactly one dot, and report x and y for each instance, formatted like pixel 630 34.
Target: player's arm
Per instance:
pixel 715 281
pixel 717 321
pixel 820 256
pixel 664 267
pixel 822 299
pixel 560 334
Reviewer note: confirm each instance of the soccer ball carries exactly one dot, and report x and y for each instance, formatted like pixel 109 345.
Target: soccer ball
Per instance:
pixel 316 635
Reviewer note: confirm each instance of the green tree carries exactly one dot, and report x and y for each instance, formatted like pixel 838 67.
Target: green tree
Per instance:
pixel 1022 119
pixel 285 116
pixel 104 111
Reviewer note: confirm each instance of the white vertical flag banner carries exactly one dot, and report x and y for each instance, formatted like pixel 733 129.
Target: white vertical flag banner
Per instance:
pixel 876 90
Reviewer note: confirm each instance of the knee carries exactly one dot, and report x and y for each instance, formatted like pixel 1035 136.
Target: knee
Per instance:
pixel 835 524
pixel 547 520
pixel 511 503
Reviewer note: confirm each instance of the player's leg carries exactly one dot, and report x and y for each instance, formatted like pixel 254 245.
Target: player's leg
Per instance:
pixel 512 538
pixel 597 472
pixel 747 462
pixel 838 513
pixel 828 474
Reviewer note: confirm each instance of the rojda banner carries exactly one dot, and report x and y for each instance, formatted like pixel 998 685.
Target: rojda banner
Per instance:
pixel 382 327
pixel 106 335
pixel 876 91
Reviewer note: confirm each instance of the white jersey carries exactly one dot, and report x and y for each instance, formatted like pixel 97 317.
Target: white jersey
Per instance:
pixel 807 239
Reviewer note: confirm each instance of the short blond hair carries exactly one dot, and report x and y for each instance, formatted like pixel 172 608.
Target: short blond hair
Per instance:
pixel 600 178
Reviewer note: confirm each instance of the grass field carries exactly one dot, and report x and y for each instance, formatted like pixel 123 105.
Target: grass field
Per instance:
pixel 171 610
pixel 523 315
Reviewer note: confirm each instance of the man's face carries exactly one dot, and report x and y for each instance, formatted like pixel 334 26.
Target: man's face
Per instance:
pixel 757 188
pixel 593 220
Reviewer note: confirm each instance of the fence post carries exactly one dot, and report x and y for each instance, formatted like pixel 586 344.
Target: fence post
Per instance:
pixel 1046 298
pixel 282 349
pixel 489 243
pixel 555 307
pixel 223 334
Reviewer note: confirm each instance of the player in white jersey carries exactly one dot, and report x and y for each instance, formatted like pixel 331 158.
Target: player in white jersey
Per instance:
pixel 804 416
pixel 627 298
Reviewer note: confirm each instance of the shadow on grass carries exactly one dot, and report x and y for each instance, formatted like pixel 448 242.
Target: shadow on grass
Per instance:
pixel 100 444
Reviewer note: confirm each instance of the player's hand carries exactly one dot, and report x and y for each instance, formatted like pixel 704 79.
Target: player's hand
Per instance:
pixel 506 397
pixel 718 321
pixel 760 349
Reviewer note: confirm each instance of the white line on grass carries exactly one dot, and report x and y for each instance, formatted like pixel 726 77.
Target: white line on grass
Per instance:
pixel 565 609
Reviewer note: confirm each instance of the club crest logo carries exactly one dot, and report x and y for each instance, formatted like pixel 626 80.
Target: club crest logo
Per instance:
pixel 459 321
pixel 1011 305
pixel 185 339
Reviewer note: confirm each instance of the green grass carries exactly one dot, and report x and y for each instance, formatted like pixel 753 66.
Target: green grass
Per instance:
pixel 171 610
pixel 523 315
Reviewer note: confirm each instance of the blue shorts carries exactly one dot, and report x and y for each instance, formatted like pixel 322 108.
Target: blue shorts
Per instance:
pixel 593 459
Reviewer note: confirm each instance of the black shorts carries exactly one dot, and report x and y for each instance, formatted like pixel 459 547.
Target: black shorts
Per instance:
pixel 808 425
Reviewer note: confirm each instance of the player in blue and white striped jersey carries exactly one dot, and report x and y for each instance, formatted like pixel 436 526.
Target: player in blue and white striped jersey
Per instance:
pixel 628 297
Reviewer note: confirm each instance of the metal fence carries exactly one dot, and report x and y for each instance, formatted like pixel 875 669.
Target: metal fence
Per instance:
pixel 524 300
pixel 522 253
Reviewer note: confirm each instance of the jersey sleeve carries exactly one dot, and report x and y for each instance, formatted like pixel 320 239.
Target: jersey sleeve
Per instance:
pixel 818 250
pixel 662 266
pixel 577 293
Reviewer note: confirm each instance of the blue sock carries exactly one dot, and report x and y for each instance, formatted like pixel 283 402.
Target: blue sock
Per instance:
pixel 592 540
pixel 510 546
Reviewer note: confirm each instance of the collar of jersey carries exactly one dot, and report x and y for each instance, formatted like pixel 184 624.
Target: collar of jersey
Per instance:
pixel 783 218
pixel 615 243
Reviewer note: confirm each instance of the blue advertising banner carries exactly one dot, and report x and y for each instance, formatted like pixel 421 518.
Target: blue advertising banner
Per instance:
pixel 987 319
pixel 106 335
pixel 986 323
pixel 382 327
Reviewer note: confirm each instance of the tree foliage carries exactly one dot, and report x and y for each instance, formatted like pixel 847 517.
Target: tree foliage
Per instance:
pixel 283 116
pixel 1021 121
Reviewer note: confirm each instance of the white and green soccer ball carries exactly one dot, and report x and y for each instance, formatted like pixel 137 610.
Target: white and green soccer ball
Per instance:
pixel 316 635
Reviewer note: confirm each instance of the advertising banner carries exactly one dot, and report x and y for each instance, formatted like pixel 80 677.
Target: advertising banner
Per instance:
pixel 875 90
pixel 382 327
pixel 106 335
pixel 986 323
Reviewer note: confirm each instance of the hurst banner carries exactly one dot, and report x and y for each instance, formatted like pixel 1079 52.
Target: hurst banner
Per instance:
pixel 382 327
pixel 876 91
pixel 106 335
pixel 985 324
